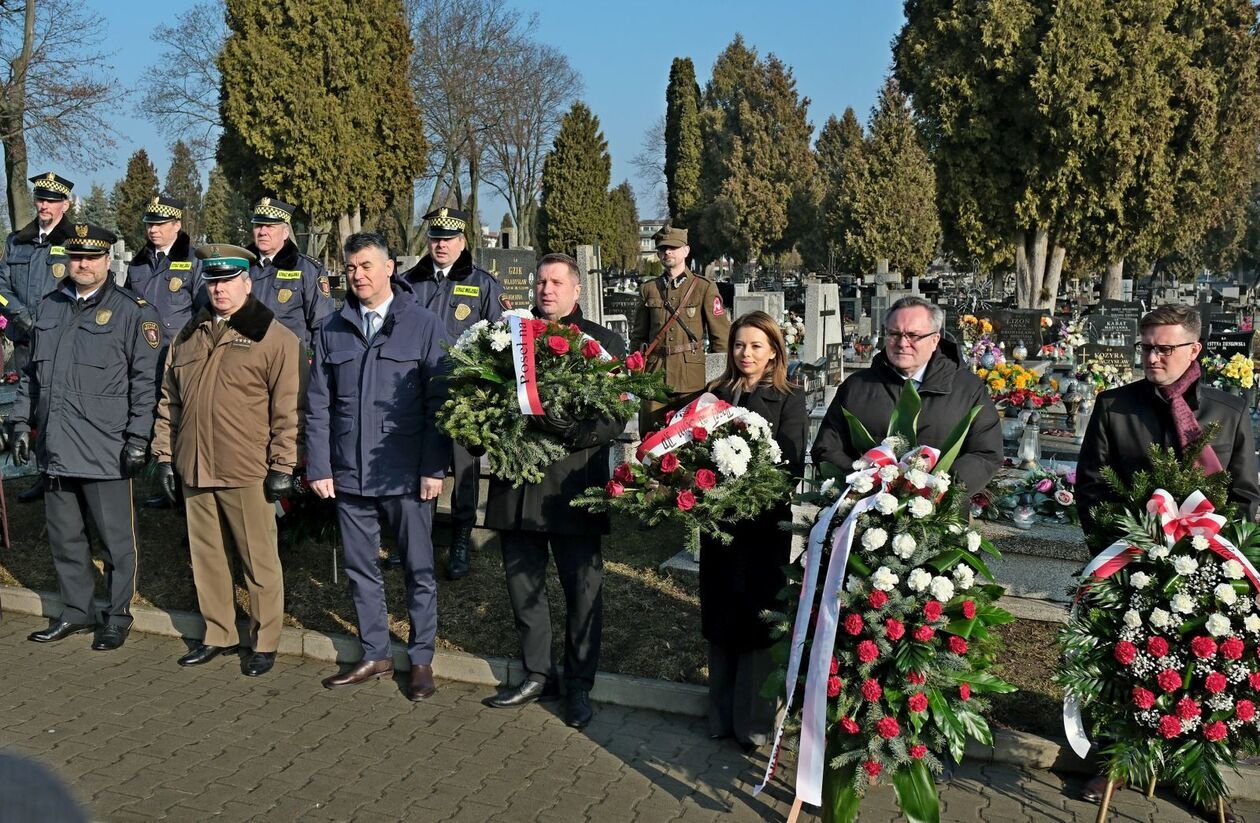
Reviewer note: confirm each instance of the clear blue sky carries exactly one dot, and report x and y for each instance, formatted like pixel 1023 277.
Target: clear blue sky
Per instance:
pixel 838 50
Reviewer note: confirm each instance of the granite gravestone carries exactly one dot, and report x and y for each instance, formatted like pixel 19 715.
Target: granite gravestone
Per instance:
pixel 514 269
pixel 822 319
pixel 1119 356
pixel 619 302
pixel 1011 326
pixel 1227 344
pixel 1108 330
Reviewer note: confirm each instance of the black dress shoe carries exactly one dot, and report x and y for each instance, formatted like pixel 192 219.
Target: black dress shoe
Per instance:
pixel 457 563
pixel 259 663
pixel 157 501
pixel 111 637
pixel 577 711
pixel 526 692
pixel 60 630
pixel 204 654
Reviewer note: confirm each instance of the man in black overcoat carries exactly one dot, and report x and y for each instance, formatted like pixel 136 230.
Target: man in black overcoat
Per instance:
pixel 536 516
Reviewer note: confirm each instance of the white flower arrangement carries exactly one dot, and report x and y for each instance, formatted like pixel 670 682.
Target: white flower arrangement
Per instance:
pixel 874 539
pixel 973 541
pixel 1217 625
pixel 731 455
pixel 1225 594
pixel 885 503
pixel 904 546
pixel 921 507
pixel 942 588
pixel 1185 566
pixel 1132 619
pixel 1140 580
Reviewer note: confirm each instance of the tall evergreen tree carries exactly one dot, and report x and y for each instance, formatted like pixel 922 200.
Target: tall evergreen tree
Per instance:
pixel 316 105
pixel 888 192
pixel 575 204
pixel 838 152
pixel 757 157
pixel 225 213
pixel 622 248
pixel 683 147
pixel 96 208
pixel 184 181
pixel 132 195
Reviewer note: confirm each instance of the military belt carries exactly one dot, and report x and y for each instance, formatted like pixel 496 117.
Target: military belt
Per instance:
pixel 687 347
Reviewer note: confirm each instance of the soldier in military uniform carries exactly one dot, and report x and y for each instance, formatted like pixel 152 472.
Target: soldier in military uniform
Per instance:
pixel 294 286
pixel 34 262
pixel 88 392
pixel 693 302
pixel 448 284
pixel 166 273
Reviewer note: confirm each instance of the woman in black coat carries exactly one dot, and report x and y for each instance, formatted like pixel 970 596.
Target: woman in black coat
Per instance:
pixel 741 580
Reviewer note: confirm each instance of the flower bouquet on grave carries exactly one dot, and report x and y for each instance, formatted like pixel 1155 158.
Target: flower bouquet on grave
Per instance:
pixel 1101 376
pixel 520 370
pixel 1160 651
pixel 886 662
pixel 1238 372
pixel 712 464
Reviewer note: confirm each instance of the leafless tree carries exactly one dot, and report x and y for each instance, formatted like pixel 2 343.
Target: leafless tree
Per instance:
pixel 540 84
pixel 55 91
pixel 464 49
pixel 180 92
pixel 650 165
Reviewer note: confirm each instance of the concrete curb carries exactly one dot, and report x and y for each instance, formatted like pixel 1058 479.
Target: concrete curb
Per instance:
pixel 1009 747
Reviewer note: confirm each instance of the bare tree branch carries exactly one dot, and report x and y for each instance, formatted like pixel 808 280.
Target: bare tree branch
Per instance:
pixel 180 94
pixel 649 163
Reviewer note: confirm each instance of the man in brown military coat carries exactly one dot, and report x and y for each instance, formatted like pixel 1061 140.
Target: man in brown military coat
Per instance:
pixel 697 311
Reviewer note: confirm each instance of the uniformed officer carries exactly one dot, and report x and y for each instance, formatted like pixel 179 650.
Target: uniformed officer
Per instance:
pixel 34 262
pixel 88 392
pixel 166 273
pixel 447 283
pixel 678 310
pixel 227 423
pixel 373 445
pixel 294 286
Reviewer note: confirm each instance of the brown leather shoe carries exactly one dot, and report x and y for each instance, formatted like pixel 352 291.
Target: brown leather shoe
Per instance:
pixel 422 686
pixel 366 670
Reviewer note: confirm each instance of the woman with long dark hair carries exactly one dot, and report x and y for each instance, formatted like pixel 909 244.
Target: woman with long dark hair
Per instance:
pixel 741 580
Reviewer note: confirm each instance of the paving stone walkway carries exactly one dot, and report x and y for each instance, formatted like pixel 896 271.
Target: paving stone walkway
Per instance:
pixel 138 738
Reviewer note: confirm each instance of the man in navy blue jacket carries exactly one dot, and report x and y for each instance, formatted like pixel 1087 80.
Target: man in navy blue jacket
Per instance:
pixel 373 444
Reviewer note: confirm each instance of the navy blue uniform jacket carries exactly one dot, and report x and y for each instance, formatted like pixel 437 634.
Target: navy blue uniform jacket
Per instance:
pixel 370 423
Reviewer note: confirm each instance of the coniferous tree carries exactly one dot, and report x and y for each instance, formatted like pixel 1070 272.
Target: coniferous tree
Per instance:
pixel 316 105
pixel 184 181
pixel 622 249
pixel 757 160
pixel 574 208
pixel 888 192
pixel 224 213
pixel 683 147
pixel 96 209
pixel 132 196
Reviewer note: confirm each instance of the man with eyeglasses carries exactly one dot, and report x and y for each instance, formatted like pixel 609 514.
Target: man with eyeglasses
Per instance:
pixel 1169 407
pixel 915 350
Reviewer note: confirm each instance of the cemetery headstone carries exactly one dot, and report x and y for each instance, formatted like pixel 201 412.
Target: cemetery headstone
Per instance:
pixel 822 319
pixel 620 302
pixel 1119 356
pixel 591 298
pixel 1227 344
pixel 514 269
pixel 1013 326
pixel 1108 330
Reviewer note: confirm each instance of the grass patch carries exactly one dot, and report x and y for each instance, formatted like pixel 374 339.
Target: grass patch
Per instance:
pixel 651 620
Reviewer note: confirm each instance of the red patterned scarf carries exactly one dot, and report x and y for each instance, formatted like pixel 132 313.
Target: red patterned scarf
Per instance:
pixel 1188 429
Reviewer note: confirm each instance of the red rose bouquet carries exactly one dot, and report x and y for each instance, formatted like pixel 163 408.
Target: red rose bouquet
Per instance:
pixel 1161 656
pixel 712 463
pixel 512 380
pixel 887 657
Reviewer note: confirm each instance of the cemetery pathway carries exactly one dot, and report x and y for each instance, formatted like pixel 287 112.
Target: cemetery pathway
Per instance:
pixel 138 738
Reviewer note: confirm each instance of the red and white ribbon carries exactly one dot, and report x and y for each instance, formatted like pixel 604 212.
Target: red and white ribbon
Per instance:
pixel 811 760
pixel 1195 517
pixel 706 412
pixel 523 365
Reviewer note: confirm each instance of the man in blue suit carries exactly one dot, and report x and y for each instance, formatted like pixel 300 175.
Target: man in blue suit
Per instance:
pixel 373 445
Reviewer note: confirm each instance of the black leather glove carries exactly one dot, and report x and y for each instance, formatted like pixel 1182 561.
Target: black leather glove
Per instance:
pixel 278 484
pixel 4 437
pixel 168 481
pixel 23 322
pixel 134 458
pixel 556 423
pixel 21 450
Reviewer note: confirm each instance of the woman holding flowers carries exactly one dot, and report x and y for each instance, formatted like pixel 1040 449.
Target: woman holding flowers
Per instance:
pixel 741 580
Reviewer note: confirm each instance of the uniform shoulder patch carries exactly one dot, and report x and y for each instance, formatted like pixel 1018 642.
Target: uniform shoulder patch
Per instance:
pixel 132 296
pixel 718 311
pixel 152 335
pixel 181 265
pixel 324 288
pixel 56 250
pixel 504 302
pixel 463 290
pixel 288 274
